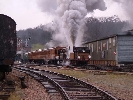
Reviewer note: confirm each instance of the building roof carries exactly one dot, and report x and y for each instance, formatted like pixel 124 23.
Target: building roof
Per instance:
pixel 129 33
pixel 2 15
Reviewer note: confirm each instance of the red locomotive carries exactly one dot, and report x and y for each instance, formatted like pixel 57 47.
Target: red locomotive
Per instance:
pixel 58 55
pixel 48 56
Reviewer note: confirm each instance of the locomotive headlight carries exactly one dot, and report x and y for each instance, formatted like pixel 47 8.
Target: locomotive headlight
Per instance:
pixel 7 61
pixel 83 50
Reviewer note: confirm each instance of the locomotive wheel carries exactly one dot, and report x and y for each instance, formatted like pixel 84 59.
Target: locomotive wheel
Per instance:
pixel 2 76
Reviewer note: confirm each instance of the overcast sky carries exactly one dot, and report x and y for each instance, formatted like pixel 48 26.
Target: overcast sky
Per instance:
pixel 28 14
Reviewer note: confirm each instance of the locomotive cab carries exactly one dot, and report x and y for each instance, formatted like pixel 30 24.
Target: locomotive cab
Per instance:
pixel 80 56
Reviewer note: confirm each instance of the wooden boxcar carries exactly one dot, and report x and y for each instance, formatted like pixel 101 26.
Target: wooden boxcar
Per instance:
pixel 8 44
pixel 113 50
pixel 8 41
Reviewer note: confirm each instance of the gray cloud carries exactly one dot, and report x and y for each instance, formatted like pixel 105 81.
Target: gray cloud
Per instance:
pixel 47 5
pixel 95 4
pixel 127 7
pixel 52 6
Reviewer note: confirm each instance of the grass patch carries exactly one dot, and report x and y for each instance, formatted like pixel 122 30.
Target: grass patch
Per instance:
pixel 77 74
pixel 18 94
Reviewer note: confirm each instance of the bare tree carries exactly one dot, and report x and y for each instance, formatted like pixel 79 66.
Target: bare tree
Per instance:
pixel 103 26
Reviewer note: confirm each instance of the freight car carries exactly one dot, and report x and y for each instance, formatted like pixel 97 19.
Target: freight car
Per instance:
pixel 115 50
pixel 8 44
pixel 58 55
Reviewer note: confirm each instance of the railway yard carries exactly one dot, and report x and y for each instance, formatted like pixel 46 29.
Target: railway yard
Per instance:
pixel 72 54
pixel 77 66
pixel 99 70
pixel 118 84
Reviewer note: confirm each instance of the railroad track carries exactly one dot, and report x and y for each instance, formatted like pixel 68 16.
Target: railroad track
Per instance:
pixel 68 87
pixel 6 87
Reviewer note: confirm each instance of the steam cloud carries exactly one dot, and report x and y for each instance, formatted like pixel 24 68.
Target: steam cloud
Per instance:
pixel 69 23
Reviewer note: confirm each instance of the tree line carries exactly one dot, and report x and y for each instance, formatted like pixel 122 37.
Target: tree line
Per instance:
pixel 95 28
pixel 34 36
pixel 104 26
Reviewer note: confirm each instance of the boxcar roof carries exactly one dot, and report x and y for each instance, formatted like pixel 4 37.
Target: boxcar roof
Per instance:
pixel 7 17
pixel 125 33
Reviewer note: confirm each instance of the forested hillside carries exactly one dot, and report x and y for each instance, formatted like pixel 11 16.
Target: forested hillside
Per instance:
pixel 95 28
pixel 36 37
pixel 104 26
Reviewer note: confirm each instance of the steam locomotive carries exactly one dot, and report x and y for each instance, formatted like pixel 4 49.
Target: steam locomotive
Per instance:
pixel 58 55
pixel 8 40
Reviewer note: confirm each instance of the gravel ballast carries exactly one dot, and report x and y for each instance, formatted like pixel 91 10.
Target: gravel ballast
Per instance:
pixel 119 85
pixel 34 90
